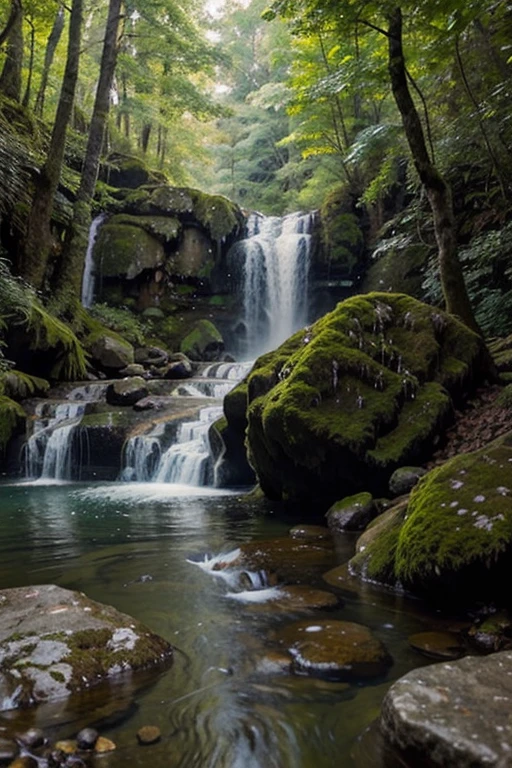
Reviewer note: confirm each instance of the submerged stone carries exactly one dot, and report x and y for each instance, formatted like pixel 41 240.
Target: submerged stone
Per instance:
pixel 54 641
pixel 310 532
pixel 293 560
pixel 339 650
pixel 457 714
pixel 438 645
pixel 297 598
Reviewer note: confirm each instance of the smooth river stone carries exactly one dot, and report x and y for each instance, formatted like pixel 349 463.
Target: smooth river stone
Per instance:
pixel 293 560
pixel 338 650
pixel 457 713
pixel 438 645
pixel 298 598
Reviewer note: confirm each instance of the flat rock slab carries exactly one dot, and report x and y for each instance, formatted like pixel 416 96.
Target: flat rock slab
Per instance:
pixel 54 641
pixel 455 714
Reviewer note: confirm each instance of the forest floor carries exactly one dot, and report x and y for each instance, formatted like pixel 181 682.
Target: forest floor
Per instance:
pixel 481 421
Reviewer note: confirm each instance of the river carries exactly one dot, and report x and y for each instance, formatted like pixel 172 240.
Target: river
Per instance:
pixel 136 546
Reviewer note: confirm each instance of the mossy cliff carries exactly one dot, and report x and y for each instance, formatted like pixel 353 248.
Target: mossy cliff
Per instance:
pixel 453 539
pixel 366 389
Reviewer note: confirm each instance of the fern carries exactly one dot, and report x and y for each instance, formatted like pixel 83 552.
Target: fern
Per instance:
pixel 51 333
pixel 10 414
pixel 18 385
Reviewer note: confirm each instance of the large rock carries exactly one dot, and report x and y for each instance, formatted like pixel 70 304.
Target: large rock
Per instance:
pixel 457 714
pixel 339 406
pixel 127 391
pixel 111 352
pixel 54 641
pixel 203 342
pixel 124 250
pixel 452 540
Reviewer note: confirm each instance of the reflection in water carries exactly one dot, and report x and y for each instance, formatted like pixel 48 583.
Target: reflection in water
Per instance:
pixel 138 548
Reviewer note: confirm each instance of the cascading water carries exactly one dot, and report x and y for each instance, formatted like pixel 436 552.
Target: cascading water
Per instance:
pixel 273 264
pixel 88 278
pixel 188 460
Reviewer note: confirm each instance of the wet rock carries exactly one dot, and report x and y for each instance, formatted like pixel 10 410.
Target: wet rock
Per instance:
pixel 33 738
pixel 296 598
pixel 457 713
pixel 127 391
pixel 493 634
pixel 338 650
pixel 135 369
pixel 104 745
pixel 274 662
pixel 87 738
pixel 180 369
pixel 56 758
pixel 310 532
pixel 293 560
pixel 375 548
pixel 438 645
pixel 203 342
pixel 352 513
pixel 147 356
pixel 8 751
pixel 111 353
pixel 75 761
pixel 404 479
pixel 148 734
pixel 54 641
pixel 67 746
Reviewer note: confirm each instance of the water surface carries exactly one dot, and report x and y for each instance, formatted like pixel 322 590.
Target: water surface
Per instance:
pixel 134 546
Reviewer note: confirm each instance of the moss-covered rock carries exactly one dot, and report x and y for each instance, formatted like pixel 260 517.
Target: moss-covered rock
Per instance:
pixel 398 265
pixel 342 235
pixel 163 228
pixel 203 342
pixel 457 538
pixel 376 548
pixel 366 390
pixel 124 250
pixel 353 513
pixel 110 352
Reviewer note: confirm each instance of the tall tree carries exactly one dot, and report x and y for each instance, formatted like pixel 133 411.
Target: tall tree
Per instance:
pixel 10 77
pixel 38 237
pixel 51 47
pixel 70 268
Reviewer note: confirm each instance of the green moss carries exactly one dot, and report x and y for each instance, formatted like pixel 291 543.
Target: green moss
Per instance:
pixel 459 516
pixel 109 419
pixel 365 388
pixel 504 399
pixel 376 548
pixel 216 213
pixel 164 228
pixel 126 250
pixel 48 333
pixel 357 500
pixel 57 676
pixel 202 335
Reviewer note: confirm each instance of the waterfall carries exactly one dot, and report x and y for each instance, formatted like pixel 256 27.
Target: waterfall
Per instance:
pixel 274 279
pixel 188 460
pixel 48 451
pixel 88 278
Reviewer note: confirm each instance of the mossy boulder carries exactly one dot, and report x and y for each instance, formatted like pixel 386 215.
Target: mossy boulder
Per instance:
pixel 457 538
pixel 342 235
pixel 163 228
pixel 404 479
pixel 127 391
pixel 110 352
pixel 124 250
pixel 203 342
pixel 397 265
pixel 54 642
pixel 336 410
pixel 353 513
pixel 376 549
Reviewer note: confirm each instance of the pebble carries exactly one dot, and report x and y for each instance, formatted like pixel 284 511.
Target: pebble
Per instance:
pixel 148 734
pixel 104 745
pixel 33 738
pixel 87 738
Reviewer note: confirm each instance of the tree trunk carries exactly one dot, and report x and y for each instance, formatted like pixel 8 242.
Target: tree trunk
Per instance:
pixel 69 275
pixel 28 88
pixel 15 12
pixel 51 46
pixel 10 79
pixel 437 190
pixel 38 239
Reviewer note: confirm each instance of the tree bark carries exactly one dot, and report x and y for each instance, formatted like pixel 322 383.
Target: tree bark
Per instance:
pixel 38 238
pixel 69 274
pixel 437 190
pixel 51 46
pixel 15 12
pixel 10 79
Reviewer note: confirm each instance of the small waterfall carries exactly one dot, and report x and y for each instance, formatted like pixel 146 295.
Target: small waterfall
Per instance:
pixel 48 451
pixel 188 460
pixel 275 277
pixel 88 278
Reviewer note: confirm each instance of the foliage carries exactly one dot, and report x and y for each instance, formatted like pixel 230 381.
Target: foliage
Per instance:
pixel 50 333
pixel 121 320
pixel 10 414
pixel 18 385
pixel 487 263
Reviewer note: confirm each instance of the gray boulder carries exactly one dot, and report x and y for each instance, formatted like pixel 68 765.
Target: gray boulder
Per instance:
pixel 127 391
pixel 457 714
pixel 111 352
pixel 54 642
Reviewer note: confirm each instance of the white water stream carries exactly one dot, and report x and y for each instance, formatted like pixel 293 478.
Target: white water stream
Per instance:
pixel 88 279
